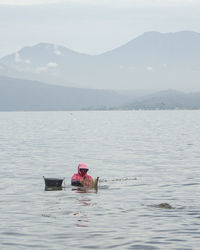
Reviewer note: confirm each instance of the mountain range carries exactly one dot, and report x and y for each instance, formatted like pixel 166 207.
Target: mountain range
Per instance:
pixel 165 100
pixel 152 61
pixel 133 76
pixel 26 95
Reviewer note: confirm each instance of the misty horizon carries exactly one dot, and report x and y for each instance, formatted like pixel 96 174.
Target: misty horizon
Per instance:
pixel 97 53
pixel 130 49
pixel 90 27
pixel 152 61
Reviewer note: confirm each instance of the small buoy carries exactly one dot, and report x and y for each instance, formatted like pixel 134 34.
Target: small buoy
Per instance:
pixel 164 205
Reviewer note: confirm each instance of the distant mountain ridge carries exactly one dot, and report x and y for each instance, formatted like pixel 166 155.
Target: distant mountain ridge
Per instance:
pixel 150 61
pixel 18 94
pixel 164 100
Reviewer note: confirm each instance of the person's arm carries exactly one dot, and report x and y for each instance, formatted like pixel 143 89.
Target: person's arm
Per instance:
pixel 76 183
pixel 87 181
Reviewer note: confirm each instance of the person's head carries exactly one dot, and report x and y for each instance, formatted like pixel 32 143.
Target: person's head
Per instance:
pixel 82 169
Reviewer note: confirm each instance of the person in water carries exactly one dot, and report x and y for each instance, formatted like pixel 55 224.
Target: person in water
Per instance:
pixel 82 179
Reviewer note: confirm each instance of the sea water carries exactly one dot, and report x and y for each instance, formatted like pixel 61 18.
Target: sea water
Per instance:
pixel 143 159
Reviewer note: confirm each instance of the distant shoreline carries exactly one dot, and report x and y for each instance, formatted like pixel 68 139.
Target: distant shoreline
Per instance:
pixel 96 110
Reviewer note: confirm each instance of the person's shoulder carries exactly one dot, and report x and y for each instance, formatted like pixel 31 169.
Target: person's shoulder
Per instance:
pixel 74 175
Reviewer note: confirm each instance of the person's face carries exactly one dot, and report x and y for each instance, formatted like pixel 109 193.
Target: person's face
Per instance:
pixel 83 171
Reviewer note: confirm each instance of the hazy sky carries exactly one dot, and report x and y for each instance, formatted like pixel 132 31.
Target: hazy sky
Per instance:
pixel 90 26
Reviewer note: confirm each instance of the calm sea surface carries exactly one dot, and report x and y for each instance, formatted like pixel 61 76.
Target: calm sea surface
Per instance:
pixel 143 158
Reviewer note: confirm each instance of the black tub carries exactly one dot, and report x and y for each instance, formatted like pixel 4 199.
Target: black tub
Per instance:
pixel 53 182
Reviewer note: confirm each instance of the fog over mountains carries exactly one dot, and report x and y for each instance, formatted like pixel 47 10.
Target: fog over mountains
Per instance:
pixel 168 99
pixel 18 94
pixel 26 95
pixel 152 61
pixel 149 72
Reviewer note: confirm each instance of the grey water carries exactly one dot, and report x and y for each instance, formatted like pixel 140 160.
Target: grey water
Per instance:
pixel 143 158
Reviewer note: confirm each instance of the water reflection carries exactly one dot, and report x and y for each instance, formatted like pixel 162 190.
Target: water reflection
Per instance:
pixel 85 190
pixel 84 203
pixel 53 188
pixel 82 217
pixel 82 221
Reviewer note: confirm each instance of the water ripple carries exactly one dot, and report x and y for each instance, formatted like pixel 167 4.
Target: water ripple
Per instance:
pixel 143 159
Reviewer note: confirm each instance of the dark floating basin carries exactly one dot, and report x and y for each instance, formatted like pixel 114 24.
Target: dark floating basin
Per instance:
pixel 55 183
